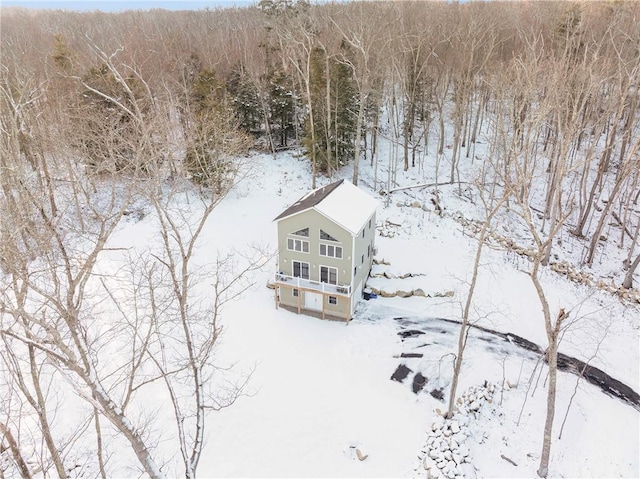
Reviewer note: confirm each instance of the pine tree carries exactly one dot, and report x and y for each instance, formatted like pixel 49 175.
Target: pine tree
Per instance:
pixel 110 134
pixel 345 102
pixel 335 116
pixel 245 101
pixel 214 135
pixel 282 105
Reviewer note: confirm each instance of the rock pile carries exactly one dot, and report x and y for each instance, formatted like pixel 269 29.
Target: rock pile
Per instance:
pixel 446 454
pixel 561 267
pixel 412 292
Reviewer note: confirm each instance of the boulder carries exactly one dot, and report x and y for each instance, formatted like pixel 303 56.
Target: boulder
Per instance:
pixel 361 456
pixel 428 463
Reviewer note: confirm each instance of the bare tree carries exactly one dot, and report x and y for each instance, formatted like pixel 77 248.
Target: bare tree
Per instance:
pixel 491 210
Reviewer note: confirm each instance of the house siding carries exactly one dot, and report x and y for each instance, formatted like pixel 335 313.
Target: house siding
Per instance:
pixel 363 256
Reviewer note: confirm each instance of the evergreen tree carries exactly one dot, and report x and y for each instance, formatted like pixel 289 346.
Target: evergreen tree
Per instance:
pixel 344 95
pixel 245 101
pixel 110 139
pixel 214 134
pixel 282 105
pixel 334 117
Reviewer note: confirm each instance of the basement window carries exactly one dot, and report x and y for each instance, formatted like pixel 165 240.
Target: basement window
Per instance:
pixel 333 300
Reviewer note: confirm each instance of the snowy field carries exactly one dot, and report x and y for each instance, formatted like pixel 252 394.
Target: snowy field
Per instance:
pixel 321 389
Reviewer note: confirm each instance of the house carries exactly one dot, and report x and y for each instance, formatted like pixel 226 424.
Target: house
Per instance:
pixel 325 251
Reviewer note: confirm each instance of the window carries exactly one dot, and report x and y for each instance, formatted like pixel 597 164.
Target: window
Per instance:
pixel 300 270
pixel 326 236
pixel 303 232
pixel 362 260
pixel 355 270
pixel 330 250
pixel 328 275
pixel 297 245
pixel 295 293
pixel 369 223
pixel 368 250
pixel 363 232
pixel 333 300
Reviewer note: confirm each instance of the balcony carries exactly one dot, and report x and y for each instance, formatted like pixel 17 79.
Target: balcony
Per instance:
pixel 309 285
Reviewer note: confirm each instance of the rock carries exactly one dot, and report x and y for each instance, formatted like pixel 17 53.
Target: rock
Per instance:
pixel 453 425
pixel 416 204
pixel 418 292
pixel 435 473
pixel 434 454
pixel 439 422
pixel 404 294
pixel 428 463
pixel 270 285
pixel 474 406
pixel 447 454
pixel 463 450
pixel 361 456
pixel 386 294
pixel 456 458
pixel 461 419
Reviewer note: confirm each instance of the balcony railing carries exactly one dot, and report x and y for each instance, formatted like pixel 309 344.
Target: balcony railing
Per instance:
pixel 296 282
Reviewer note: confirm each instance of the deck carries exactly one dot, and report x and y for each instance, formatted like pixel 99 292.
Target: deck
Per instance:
pixel 315 286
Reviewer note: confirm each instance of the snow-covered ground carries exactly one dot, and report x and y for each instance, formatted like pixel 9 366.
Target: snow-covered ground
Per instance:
pixel 319 389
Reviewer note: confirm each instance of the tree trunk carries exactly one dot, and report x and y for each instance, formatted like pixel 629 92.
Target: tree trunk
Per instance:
pixel 628 279
pixel 15 451
pixel 356 160
pixel 464 326
pixel 552 358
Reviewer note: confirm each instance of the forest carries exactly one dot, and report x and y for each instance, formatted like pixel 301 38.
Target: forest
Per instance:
pixel 554 84
pixel 99 110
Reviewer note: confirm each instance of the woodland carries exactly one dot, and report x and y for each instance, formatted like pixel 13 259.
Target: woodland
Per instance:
pixel 102 111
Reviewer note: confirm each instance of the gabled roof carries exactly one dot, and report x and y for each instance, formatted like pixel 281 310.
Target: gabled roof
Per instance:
pixel 341 201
